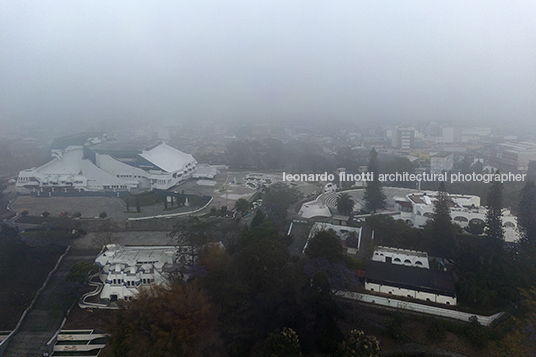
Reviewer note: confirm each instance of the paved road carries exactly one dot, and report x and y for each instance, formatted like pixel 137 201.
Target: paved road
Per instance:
pixel 45 318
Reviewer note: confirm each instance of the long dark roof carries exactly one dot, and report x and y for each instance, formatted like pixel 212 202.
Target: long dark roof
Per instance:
pixel 420 279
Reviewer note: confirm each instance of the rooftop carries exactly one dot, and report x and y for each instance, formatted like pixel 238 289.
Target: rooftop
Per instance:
pixel 427 280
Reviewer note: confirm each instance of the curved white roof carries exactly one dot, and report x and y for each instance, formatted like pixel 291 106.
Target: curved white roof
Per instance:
pixel 168 158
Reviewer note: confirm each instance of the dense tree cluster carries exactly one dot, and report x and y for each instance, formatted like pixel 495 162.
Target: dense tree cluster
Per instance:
pixel 441 230
pixel 374 197
pixel 278 197
pixel 251 300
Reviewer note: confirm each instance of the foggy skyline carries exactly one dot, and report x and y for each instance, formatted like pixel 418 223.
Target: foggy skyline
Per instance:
pixel 467 62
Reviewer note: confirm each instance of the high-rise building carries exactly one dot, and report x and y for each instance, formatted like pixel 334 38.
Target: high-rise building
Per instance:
pixel 403 138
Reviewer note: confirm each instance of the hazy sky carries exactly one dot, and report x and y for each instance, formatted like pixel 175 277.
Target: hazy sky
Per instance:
pixel 261 60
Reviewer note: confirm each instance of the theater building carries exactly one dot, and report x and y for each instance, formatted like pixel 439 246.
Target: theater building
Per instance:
pixel 95 162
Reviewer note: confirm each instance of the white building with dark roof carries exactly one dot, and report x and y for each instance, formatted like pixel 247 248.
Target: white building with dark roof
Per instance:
pixel 407 273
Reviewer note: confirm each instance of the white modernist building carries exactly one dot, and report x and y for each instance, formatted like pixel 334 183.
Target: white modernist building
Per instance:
pixel 407 273
pixel 123 269
pixel 417 208
pixel 96 163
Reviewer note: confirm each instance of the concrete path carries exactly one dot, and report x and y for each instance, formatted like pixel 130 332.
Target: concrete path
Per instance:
pixel 45 318
pixel 416 307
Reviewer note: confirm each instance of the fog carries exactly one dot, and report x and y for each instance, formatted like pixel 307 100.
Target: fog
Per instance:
pixel 73 62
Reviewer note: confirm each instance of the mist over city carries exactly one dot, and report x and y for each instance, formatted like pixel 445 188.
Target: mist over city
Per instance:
pixel 268 178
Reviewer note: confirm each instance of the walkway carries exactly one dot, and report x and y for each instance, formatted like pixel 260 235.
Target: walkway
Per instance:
pixel 45 318
pixel 416 307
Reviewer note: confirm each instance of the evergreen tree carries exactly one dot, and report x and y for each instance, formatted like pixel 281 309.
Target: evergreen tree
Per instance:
pixel 526 217
pixel 494 226
pixel 258 219
pixel 374 196
pixel 441 228
pixel 345 203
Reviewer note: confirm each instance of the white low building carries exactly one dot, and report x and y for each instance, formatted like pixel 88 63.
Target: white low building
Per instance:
pixel 123 269
pixel 417 208
pixel 407 273
pixel 96 163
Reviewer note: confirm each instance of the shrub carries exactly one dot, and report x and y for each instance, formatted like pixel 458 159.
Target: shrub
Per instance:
pixel 395 325
pixel 103 215
pixel 476 333
pixel 435 331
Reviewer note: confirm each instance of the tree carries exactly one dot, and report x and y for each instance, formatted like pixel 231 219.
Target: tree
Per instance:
pixel 526 216
pixel 282 343
pixel 374 196
pixel 45 214
pixel 357 344
pixel 441 228
pixel 345 203
pixel 242 206
pixel 163 321
pixel 325 244
pixel 192 233
pixel 494 226
pixel 258 219
pixel 278 198
pixel 103 214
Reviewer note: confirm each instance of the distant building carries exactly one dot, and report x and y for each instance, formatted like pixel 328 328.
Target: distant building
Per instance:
pixel 452 135
pixel 441 162
pixel 475 134
pixel 403 138
pixel 94 162
pixel 417 208
pixel 407 273
pixel 517 155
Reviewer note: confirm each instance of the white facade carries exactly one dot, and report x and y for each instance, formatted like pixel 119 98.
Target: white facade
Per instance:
pixel 407 273
pixel 401 257
pixel 440 163
pixel 517 155
pixel 159 167
pixel 411 293
pixel 124 269
pixel 417 208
